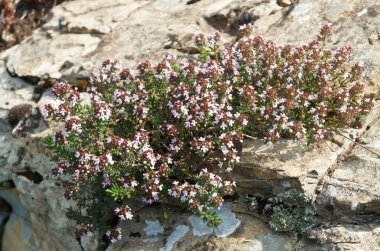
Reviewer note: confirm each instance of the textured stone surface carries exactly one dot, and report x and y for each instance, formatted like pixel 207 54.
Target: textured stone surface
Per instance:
pixel 13 91
pixel 180 231
pixel 265 170
pixel 174 237
pixel 59 53
pixel 99 16
pixel 228 226
pixel 253 235
pixel 343 237
pixel 354 187
pixel 17 230
pixel 153 230
pixel 342 176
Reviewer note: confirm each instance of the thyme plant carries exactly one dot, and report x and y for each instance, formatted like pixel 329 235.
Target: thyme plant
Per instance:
pixel 170 131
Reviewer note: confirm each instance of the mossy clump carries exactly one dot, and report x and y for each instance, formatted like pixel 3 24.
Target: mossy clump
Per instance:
pixel 291 211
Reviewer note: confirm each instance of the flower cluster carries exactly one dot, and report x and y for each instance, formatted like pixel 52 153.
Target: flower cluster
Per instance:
pixel 295 92
pixel 114 234
pixel 170 132
pixel 124 213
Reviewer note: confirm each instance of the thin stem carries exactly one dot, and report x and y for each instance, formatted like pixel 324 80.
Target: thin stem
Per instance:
pixel 249 136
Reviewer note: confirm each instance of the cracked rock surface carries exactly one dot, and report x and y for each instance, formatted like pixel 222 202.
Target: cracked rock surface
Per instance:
pixel 342 175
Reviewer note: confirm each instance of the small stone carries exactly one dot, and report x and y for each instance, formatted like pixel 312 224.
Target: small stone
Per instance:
pixel 228 225
pixel 153 230
pixel 178 234
pixel 284 3
pixel 200 228
pixel 229 221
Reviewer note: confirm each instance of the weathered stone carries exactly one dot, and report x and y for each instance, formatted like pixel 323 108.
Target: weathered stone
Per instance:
pixel 28 165
pixel 343 237
pixel 174 233
pixel 17 231
pixel 228 226
pixel 99 16
pixel 90 243
pixel 229 222
pixel 253 235
pixel 174 237
pixel 229 15
pixel 80 35
pixel 14 91
pixel 353 188
pixel 5 146
pixel 200 228
pixel 59 53
pixel 32 123
pixel 47 215
pixel 152 230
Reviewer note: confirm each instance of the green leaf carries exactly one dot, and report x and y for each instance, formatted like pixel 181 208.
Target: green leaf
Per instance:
pixel 118 192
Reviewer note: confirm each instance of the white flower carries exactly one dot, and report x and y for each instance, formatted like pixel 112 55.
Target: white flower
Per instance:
pixel 343 108
pixel 109 159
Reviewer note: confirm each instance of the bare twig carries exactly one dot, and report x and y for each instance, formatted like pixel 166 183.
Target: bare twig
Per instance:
pixel 248 136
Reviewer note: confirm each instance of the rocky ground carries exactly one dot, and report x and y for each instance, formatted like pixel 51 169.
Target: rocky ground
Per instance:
pixel 342 175
pixel 26 16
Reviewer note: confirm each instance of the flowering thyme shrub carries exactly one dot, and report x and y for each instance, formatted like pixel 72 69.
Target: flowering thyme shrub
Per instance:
pixel 167 133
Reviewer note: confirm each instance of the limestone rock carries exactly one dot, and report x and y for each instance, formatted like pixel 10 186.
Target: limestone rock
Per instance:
pixel 17 230
pixel 80 34
pixel 228 226
pixel 353 188
pixel 180 231
pixel 99 17
pixel 14 91
pixel 47 215
pixel 343 237
pixel 152 230
pixel 5 146
pixel 227 16
pixel 174 237
pixel 59 53
pixel 253 235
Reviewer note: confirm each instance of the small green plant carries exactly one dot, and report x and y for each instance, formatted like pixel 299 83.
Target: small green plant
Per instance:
pixel 254 204
pixel 169 132
pixel 291 211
